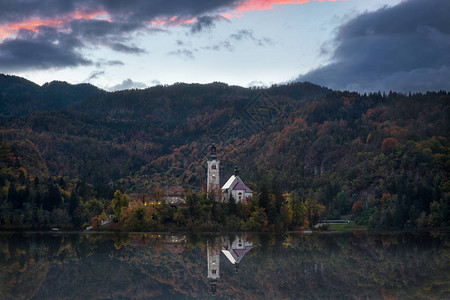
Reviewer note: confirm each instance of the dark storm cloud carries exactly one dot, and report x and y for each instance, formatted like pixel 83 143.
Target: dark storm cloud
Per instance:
pixel 91 29
pixel 46 49
pixel 402 48
pixel 20 10
pixel 136 10
pixel 107 33
pixel 143 10
pixel 36 50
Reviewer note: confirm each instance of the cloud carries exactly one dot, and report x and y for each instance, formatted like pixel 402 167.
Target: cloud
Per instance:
pixel 155 82
pixel 118 11
pixel 183 53
pixel 240 36
pixel 113 63
pixel 202 23
pixel 221 45
pixel 102 63
pixel 257 83
pixel 252 5
pixel 205 23
pixel 81 24
pixel 42 50
pixel 135 10
pixel 128 84
pixel 126 49
pixel 25 27
pixel 245 34
pixel 92 29
pixel 94 75
pixel 402 48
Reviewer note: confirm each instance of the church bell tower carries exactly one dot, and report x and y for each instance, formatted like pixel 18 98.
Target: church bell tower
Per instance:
pixel 213 180
pixel 213 255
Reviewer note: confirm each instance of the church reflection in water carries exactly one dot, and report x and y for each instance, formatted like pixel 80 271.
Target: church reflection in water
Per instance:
pixel 233 249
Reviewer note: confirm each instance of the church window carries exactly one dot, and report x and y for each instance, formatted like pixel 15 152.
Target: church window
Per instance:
pixel 214 271
pixel 213 167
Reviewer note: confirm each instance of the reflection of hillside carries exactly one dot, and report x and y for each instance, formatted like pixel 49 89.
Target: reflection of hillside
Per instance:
pixel 291 266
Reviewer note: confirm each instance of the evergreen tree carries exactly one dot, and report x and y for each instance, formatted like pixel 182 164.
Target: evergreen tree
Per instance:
pixel 232 206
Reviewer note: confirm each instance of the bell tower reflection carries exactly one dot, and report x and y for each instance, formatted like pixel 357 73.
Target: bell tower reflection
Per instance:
pixel 213 252
pixel 233 250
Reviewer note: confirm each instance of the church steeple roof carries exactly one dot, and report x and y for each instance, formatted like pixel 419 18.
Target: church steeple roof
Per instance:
pixel 236 171
pixel 213 152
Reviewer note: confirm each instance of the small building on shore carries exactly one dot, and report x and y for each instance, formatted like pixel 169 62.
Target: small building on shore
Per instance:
pixel 175 195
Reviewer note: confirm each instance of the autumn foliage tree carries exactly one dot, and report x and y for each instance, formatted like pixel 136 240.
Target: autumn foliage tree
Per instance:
pixel 120 200
pixel 357 207
pixel 389 145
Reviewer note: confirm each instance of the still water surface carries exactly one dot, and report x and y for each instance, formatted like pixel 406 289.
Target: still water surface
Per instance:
pixel 356 265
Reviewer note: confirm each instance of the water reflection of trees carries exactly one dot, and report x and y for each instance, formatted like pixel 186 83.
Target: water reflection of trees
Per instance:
pixel 317 266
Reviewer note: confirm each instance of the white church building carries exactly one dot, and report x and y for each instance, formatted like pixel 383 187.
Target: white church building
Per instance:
pixel 234 187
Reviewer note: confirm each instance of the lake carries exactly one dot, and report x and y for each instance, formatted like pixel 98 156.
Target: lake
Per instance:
pixel 330 265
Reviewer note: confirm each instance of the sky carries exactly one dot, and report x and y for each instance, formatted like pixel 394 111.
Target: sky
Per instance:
pixel 361 45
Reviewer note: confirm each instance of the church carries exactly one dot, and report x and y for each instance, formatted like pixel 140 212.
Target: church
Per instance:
pixel 234 187
pixel 234 250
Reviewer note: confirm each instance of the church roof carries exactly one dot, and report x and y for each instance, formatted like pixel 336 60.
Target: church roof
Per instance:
pixel 241 186
pixel 230 181
pixel 228 255
pixel 236 255
pixel 241 252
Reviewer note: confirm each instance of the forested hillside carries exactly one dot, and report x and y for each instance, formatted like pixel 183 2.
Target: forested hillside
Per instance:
pixel 19 96
pixel 384 158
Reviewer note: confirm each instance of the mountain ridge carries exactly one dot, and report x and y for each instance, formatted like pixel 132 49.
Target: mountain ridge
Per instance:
pixel 19 96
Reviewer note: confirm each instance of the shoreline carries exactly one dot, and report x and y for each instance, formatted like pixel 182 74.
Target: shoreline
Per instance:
pixel 306 232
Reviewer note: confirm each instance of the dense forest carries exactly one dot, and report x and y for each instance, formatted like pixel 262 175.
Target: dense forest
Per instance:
pixel 308 153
